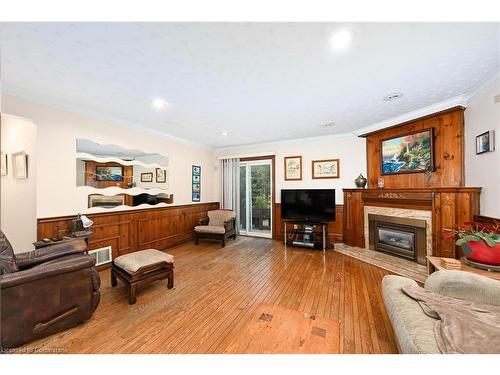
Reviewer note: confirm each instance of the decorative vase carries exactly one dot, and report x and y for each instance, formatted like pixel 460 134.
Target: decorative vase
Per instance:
pixel 482 253
pixel 360 181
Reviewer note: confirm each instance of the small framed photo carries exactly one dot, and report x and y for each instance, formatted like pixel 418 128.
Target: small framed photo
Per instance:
pixel 161 175
pixel 4 164
pixel 293 168
pixel 20 165
pixel 147 177
pixel 325 169
pixel 485 142
pixel 196 183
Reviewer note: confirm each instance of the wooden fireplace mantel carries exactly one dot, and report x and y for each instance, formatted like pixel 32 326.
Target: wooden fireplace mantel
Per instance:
pixel 449 206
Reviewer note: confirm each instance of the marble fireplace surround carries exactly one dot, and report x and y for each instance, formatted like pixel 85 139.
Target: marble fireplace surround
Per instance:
pixel 400 212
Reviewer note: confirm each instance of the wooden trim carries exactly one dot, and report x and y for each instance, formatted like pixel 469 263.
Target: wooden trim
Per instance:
pixel 486 219
pixel 425 117
pixel 421 190
pixel 112 213
pixel 319 161
pixel 253 158
pixel 448 150
pixel 284 168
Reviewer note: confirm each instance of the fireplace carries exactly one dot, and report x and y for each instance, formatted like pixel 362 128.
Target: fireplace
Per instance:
pixel 398 236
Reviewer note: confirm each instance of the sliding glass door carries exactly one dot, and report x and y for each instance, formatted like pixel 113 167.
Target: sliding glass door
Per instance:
pixel 256 198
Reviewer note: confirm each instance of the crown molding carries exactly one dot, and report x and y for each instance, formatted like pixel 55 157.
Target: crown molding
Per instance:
pixel 457 101
pixel 483 86
pixel 291 140
pixel 23 94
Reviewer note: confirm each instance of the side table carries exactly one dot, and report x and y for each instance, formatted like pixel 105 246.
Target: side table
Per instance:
pixel 434 264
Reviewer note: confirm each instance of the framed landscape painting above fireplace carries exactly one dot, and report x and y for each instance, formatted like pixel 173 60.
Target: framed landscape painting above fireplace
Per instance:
pixel 410 153
pixel 109 173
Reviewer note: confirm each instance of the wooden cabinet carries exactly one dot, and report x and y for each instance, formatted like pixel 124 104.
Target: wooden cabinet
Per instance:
pixel 129 231
pixel 449 207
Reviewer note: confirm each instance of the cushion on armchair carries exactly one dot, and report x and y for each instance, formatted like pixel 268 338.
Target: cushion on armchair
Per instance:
pixel 210 229
pixel 219 217
pixel 7 259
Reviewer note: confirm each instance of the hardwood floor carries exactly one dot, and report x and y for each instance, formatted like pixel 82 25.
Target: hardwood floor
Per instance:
pixel 217 289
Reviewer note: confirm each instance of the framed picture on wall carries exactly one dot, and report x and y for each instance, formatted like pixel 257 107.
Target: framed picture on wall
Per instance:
pixel 325 169
pixel 196 183
pixel 147 177
pixel 410 153
pixel 485 142
pixel 3 163
pixel 20 165
pixel 161 175
pixel 109 173
pixel 293 168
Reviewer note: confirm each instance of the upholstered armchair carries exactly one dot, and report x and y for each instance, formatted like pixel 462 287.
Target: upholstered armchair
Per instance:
pixel 45 290
pixel 219 225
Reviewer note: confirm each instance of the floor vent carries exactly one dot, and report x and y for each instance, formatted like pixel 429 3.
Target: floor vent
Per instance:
pixel 102 255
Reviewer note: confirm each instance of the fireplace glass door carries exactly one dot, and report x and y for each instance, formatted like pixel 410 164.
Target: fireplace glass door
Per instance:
pixel 396 240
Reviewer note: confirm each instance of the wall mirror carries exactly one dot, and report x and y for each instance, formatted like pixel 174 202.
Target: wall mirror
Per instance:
pixel 104 165
pixel 105 201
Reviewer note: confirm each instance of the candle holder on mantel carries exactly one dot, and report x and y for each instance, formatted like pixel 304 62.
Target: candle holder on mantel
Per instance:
pixel 380 183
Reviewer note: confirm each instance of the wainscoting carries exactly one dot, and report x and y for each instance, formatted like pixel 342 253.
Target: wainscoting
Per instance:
pixel 335 232
pixel 129 231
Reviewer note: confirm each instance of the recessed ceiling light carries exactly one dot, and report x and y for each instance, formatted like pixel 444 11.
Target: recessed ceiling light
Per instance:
pixel 393 96
pixel 327 125
pixel 223 134
pixel 158 103
pixel 341 39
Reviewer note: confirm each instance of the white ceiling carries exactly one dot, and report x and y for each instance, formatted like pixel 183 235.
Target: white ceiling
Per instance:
pixel 259 82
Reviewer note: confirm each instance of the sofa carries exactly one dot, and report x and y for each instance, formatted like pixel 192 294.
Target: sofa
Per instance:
pixel 45 291
pixel 414 330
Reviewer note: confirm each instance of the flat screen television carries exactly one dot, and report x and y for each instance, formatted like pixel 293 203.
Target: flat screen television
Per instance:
pixel 308 205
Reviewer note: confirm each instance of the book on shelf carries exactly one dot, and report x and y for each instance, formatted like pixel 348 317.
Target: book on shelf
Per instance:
pixel 451 263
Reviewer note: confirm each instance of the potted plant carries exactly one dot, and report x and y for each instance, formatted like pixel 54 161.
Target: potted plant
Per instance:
pixel 480 242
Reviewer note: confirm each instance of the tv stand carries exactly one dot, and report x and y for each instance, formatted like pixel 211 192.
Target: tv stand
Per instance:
pixel 306 234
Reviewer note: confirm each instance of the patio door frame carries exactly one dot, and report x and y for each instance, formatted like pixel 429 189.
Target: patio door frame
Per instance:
pixel 273 193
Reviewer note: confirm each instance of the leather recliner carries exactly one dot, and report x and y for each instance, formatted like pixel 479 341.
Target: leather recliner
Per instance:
pixel 45 291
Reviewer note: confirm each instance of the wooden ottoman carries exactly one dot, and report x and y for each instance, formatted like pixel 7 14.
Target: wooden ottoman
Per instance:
pixel 141 268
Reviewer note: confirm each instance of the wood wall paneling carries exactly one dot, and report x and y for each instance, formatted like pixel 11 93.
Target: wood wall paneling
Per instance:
pixel 448 152
pixel 449 206
pixel 129 231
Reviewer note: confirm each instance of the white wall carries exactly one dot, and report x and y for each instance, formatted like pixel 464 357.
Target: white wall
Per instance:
pixel 483 114
pixel 58 130
pixel 350 149
pixel 18 197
